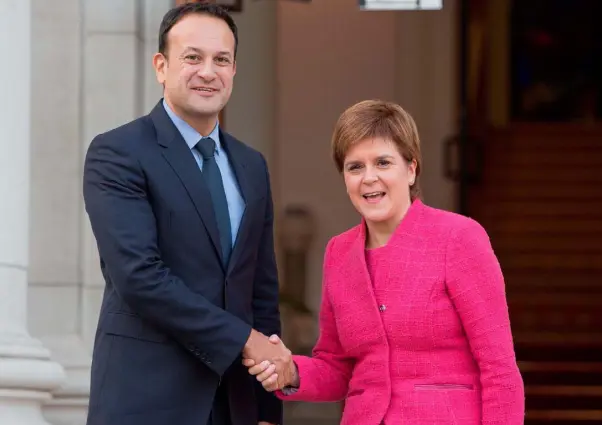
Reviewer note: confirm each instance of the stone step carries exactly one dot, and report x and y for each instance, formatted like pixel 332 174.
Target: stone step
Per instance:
pixel 563 397
pixel 300 413
pixel 564 417
pixel 491 195
pixel 558 346
pixel 532 280
pixel 500 174
pixel 583 374
pixel 568 391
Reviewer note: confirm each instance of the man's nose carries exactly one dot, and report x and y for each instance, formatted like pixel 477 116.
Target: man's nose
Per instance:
pixel 206 70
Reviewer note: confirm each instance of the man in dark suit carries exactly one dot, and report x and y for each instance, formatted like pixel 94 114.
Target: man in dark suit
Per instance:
pixel 183 218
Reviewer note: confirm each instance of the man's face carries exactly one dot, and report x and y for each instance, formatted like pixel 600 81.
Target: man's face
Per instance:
pixel 198 68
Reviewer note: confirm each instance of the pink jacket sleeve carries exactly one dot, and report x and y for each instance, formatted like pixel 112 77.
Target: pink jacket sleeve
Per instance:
pixel 476 287
pixel 325 376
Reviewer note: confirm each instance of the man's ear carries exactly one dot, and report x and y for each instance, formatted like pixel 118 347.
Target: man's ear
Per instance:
pixel 160 65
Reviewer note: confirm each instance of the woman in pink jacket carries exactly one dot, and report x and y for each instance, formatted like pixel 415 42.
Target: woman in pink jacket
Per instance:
pixel 414 325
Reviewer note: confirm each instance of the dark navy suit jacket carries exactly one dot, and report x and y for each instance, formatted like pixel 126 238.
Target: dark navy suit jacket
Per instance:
pixel 174 320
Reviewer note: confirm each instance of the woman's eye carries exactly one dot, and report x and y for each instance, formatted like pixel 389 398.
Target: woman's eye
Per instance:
pixel 383 163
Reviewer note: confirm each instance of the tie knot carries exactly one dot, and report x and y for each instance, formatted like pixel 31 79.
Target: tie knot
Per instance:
pixel 206 146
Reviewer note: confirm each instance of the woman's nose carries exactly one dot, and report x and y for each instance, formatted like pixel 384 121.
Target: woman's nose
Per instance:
pixel 370 175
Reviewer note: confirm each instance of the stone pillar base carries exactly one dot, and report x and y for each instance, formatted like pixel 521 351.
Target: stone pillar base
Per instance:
pixel 27 377
pixel 69 405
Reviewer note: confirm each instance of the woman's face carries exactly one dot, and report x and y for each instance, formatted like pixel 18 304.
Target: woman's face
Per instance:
pixel 378 181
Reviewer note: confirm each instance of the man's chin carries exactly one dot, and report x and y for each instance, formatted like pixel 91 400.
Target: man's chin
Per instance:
pixel 204 112
pixel 207 103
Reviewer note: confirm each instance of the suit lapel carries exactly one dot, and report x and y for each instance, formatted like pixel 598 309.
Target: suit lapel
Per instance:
pixel 359 283
pixel 357 256
pixel 244 178
pixel 178 155
pixel 357 280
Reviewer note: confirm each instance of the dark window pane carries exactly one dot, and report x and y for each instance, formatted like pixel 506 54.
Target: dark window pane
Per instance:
pixel 556 60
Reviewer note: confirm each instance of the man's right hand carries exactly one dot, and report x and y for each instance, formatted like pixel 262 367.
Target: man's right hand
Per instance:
pixel 277 373
pixel 259 348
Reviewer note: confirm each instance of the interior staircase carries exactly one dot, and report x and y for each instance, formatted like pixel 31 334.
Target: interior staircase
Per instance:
pixel 558 337
pixel 540 199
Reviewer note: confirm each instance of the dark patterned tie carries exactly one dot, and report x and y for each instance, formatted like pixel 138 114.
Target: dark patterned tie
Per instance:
pixel 213 178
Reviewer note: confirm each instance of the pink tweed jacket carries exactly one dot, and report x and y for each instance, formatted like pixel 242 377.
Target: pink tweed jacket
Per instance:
pixel 427 341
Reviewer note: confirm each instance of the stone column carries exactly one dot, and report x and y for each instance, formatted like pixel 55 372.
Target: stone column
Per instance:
pixel 426 65
pixel 54 273
pixel 111 97
pixel 27 376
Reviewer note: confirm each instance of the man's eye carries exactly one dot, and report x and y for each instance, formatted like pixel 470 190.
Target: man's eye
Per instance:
pixel 193 58
pixel 223 60
pixel 383 163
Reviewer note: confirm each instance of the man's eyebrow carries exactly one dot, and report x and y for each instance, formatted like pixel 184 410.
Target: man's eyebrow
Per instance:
pixel 194 49
pixel 199 51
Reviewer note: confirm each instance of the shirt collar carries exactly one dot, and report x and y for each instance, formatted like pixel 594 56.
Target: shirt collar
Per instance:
pixel 189 134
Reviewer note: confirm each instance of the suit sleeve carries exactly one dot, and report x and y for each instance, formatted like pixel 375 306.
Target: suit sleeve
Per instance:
pixel 325 376
pixel 476 287
pixel 123 224
pixel 266 310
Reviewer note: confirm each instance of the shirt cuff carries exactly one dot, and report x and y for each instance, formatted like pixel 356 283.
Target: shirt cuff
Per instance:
pixel 289 390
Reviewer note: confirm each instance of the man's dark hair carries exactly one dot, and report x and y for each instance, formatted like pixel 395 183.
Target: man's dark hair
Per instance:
pixel 173 16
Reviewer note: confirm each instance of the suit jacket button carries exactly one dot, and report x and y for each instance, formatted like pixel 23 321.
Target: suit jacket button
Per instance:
pixel 382 307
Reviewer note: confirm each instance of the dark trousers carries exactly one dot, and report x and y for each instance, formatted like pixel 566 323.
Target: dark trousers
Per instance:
pixel 220 413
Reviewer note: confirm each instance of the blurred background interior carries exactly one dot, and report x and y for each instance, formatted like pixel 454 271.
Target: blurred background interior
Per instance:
pixel 507 95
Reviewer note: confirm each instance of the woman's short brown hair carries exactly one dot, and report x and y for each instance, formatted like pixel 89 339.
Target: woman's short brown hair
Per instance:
pixel 378 119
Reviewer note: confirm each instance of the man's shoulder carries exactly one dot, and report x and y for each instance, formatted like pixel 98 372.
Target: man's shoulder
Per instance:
pixel 130 135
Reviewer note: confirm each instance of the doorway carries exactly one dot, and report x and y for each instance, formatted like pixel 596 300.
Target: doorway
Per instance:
pixel 531 173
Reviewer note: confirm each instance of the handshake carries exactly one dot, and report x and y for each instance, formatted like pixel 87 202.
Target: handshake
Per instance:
pixel 270 361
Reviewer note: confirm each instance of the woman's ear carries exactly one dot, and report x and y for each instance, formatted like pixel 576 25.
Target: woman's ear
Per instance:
pixel 412 166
